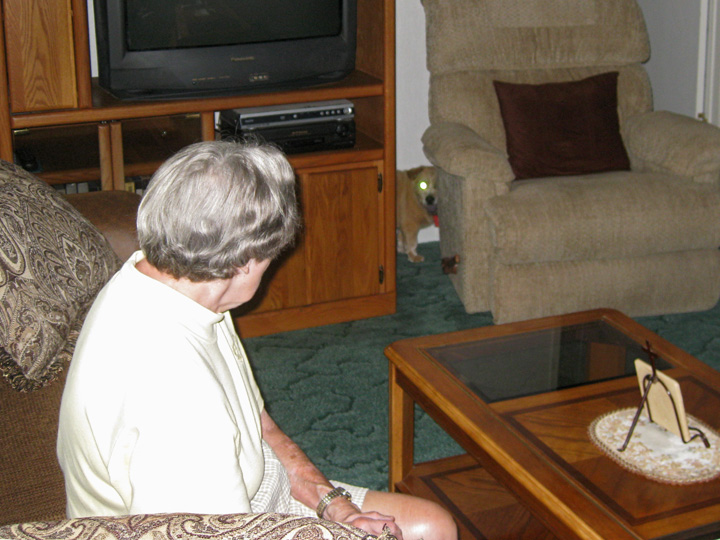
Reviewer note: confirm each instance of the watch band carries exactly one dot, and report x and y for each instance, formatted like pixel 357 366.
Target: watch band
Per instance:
pixel 331 495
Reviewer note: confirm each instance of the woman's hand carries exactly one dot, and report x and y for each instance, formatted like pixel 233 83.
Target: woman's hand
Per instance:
pixel 344 511
pixel 308 485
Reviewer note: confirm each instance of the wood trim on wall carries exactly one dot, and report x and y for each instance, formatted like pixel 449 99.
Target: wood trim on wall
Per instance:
pixel 709 58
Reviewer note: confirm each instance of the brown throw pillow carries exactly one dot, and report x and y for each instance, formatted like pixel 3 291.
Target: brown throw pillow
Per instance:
pixel 52 264
pixel 562 128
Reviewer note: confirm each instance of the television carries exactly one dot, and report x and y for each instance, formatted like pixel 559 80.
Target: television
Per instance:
pixel 164 49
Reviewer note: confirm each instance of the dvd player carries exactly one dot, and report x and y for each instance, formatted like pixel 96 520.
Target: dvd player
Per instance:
pixel 301 127
pixel 293 113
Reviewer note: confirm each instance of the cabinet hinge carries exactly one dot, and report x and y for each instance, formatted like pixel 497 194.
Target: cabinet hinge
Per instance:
pixel 381 274
pixel 380 182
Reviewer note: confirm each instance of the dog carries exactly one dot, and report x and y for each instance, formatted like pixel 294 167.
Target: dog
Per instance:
pixel 416 207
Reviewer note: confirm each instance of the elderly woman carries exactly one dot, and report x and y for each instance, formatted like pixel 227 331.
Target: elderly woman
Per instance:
pixel 167 417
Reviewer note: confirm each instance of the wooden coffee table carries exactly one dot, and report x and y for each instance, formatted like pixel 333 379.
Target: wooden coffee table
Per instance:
pixel 519 399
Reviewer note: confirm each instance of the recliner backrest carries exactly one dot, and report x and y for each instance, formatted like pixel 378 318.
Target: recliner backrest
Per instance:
pixel 470 43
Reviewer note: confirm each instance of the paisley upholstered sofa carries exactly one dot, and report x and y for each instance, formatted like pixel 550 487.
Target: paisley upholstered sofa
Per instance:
pixel 53 261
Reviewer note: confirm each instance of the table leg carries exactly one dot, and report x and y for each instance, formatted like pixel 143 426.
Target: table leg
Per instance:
pixel 402 431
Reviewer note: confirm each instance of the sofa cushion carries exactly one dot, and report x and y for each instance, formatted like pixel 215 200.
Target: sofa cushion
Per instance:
pixel 52 264
pixel 186 527
pixel 562 128
pixel 607 215
pixel 119 225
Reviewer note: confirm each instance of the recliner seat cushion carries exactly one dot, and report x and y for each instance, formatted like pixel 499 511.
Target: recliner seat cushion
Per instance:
pixel 602 216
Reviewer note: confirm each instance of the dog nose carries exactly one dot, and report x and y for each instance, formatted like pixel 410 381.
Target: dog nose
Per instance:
pixel 430 199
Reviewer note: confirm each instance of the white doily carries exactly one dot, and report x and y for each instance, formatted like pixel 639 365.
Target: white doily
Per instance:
pixel 655 452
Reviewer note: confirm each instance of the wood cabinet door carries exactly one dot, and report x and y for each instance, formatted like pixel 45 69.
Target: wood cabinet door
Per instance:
pixel 40 54
pixel 339 253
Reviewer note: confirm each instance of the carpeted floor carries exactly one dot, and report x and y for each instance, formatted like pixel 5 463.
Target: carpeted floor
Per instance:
pixel 327 387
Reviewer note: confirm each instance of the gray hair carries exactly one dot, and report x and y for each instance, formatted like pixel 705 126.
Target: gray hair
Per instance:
pixel 213 206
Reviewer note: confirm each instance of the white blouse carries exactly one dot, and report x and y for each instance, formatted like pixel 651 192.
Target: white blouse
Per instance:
pixel 160 411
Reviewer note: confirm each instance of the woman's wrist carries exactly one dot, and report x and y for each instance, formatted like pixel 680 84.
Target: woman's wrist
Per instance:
pixel 340 510
pixel 329 497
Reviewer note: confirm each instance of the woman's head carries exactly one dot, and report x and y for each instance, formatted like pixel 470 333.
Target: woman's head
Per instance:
pixel 213 206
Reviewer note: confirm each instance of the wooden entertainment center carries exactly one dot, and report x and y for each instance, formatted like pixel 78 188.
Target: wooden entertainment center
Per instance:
pixel 343 267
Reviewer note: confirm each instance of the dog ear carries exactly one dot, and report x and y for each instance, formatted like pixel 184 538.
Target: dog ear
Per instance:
pixel 413 173
pixel 426 173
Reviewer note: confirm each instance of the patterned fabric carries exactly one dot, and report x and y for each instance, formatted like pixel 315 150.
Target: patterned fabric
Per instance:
pixel 52 264
pixel 186 527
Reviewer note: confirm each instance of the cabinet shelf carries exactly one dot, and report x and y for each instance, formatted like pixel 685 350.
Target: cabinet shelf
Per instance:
pixel 73 156
pixel 107 108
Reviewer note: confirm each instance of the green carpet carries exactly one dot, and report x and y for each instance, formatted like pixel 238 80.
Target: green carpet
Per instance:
pixel 327 386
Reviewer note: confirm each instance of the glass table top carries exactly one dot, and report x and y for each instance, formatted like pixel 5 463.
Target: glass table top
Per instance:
pixel 541 361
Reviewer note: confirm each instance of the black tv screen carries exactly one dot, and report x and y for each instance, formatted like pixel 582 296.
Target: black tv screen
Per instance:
pixel 184 48
pixel 167 25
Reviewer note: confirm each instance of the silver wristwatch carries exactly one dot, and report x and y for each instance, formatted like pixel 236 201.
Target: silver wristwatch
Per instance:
pixel 331 495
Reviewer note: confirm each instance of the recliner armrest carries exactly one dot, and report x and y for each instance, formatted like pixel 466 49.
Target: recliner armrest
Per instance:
pixel 666 142
pixel 459 150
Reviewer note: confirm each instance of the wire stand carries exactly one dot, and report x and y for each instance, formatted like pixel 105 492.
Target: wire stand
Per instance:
pixel 648 381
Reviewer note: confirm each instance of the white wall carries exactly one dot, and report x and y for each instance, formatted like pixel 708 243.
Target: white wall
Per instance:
pixel 412 82
pixel 93 45
pixel 677 46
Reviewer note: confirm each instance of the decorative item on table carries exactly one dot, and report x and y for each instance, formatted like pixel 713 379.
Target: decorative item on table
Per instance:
pixel 660 448
pixel 662 401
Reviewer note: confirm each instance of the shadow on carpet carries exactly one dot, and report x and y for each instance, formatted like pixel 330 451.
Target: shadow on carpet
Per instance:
pixel 326 387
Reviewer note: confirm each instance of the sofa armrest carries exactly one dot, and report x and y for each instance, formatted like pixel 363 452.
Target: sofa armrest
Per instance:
pixel 114 214
pixel 183 527
pixel 666 142
pixel 460 151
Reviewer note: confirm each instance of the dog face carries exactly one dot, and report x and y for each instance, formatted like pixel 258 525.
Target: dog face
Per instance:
pixel 424 185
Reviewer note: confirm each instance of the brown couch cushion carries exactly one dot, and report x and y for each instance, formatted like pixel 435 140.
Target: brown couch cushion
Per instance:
pixel 118 225
pixel 562 128
pixel 52 264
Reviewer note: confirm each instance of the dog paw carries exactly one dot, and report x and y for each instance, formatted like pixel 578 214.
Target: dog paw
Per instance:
pixel 414 257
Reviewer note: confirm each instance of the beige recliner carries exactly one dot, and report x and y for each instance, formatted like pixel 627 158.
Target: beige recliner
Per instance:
pixel 559 188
